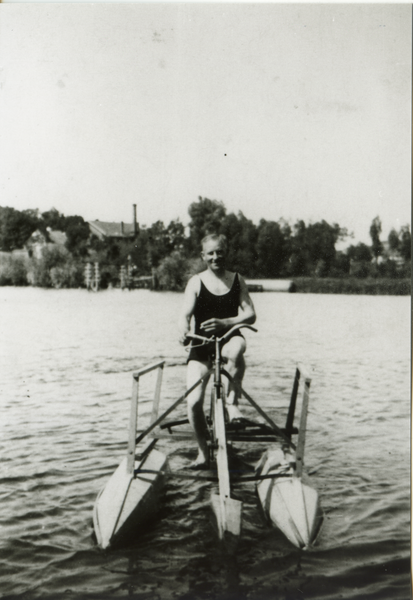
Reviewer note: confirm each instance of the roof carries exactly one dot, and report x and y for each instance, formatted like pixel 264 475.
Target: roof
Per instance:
pixel 112 229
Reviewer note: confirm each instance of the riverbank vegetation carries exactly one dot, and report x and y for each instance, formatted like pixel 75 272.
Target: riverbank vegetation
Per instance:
pixel 303 252
pixel 371 286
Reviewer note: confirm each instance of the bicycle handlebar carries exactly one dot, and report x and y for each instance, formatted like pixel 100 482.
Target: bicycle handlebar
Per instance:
pixel 214 338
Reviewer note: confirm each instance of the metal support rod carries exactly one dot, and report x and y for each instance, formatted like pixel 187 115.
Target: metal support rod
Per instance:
pixel 157 397
pixel 260 411
pixel 151 367
pixel 132 426
pixel 302 429
pixel 171 408
pixel 217 382
pixel 291 411
pixel 212 477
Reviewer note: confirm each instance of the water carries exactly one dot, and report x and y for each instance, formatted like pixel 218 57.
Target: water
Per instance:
pixel 66 359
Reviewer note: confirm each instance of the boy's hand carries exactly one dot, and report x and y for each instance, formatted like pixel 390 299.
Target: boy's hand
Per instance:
pixel 183 340
pixel 213 325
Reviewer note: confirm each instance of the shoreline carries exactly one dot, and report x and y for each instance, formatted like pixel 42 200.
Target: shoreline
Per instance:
pixel 299 285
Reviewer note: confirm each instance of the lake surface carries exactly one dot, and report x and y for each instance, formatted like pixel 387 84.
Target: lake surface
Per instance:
pixel 66 363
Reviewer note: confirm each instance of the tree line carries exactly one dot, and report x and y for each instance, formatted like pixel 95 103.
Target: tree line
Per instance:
pixel 271 249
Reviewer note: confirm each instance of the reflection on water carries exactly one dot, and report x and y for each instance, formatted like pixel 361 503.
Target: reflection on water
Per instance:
pixel 66 359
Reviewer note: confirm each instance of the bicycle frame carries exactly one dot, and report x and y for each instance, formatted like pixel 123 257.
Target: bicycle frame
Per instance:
pixel 227 510
pixel 217 405
pixel 218 371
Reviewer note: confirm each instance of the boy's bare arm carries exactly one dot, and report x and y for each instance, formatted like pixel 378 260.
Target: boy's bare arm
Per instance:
pixel 246 304
pixel 187 310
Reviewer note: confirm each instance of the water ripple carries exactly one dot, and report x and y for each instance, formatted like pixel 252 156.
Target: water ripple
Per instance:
pixel 65 413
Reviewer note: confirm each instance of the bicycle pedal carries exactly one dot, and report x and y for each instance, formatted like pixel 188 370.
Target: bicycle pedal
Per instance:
pixel 212 445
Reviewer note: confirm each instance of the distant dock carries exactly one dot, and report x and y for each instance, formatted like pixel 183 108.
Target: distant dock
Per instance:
pixel 270 285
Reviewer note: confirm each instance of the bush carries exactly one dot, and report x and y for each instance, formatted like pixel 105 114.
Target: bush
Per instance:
pixel 41 267
pixel 195 266
pixel 387 268
pixel 175 270
pixel 172 271
pixel 109 276
pixel 69 275
pixel 352 285
pixel 405 271
pixel 361 269
pixel 13 271
pixel 56 268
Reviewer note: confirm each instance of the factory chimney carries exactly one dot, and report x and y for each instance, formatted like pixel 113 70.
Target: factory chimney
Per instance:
pixel 135 224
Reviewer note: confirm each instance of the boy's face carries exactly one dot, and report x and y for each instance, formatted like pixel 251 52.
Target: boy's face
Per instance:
pixel 214 254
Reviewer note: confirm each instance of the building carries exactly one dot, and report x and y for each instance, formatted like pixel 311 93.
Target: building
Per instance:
pixel 114 231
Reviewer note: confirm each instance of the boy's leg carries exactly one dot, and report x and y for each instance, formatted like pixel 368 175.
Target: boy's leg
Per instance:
pixel 196 416
pixel 233 351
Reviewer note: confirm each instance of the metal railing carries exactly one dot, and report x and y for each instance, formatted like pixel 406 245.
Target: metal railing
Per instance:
pixel 134 407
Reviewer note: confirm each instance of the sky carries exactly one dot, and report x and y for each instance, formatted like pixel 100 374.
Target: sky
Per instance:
pixel 295 111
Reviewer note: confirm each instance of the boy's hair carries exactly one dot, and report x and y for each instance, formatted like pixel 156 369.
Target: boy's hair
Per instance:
pixel 216 237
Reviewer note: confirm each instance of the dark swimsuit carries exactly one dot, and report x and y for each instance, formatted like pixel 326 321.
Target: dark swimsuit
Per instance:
pixel 210 306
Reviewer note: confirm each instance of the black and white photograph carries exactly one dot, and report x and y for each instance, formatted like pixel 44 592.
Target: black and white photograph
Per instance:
pixel 205 301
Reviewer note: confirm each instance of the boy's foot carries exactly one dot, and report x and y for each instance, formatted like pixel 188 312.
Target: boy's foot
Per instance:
pixel 197 466
pixel 234 413
pixel 201 463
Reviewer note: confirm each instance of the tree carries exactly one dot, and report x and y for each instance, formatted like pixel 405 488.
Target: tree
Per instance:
pixel 16 227
pixel 321 241
pixel 405 243
pixel 138 251
pixel 341 265
pixel 313 247
pixel 242 236
pixel 158 243
pixel 272 248
pixel 299 260
pixel 401 242
pixel 175 233
pixel 172 272
pixel 360 257
pixel 393 239
pixel 52 258
pixel 375 231
pixel 77 234
pixel 360 253
pixel 206 217
pixel 53 219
